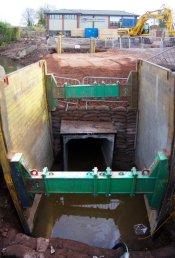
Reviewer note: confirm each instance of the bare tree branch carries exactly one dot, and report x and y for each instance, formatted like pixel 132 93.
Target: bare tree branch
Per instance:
pixel 29 16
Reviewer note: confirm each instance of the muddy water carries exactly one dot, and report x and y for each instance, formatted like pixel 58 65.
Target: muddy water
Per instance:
pixel 9 64
pixel 96 220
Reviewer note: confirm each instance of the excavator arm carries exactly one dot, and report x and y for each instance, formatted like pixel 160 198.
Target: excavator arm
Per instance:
pixel 168 17
pixel 164 14
pixel 139 28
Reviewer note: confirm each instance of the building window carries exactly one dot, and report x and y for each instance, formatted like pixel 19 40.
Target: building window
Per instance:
pixel 70 17
pixel 55 17
pixel 115 21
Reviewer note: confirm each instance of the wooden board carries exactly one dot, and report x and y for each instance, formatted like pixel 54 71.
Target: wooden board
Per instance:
pixel 24 113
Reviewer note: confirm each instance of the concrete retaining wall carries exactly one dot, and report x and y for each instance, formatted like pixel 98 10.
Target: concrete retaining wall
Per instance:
pixel 124 119
pixel 156 111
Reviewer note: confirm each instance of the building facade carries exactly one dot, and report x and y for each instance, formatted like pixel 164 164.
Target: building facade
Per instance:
pixel 65 20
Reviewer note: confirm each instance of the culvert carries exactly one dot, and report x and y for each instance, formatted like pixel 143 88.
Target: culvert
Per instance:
pixel 33 140
pixel 94 140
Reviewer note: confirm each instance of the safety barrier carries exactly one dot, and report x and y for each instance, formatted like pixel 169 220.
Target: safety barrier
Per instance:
pixel 116 42
pixel 75 43
pixel 135 42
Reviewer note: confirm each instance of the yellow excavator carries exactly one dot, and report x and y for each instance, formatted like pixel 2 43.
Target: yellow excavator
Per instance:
pixel 139 30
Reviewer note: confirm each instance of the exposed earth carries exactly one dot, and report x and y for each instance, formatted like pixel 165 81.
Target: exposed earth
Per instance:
pixel 114 63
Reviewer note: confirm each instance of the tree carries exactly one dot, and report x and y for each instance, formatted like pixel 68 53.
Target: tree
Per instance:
pixel 40 14
pixel 29 16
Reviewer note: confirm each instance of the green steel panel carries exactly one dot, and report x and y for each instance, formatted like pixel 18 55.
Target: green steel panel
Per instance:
pixel 112 91
pixel 151 181
pixel 94 91
pixel 51 86
pixel 79 91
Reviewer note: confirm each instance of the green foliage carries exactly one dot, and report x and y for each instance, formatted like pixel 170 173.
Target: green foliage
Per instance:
pixel 8 33
pixel 41 16
pixel 38 27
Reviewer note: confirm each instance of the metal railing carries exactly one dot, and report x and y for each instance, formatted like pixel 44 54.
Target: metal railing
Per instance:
pixel 68 103
pixel 61 81
pixel 135 42
pixel 103 80
pixel 124 42
pixel 90 101
pixel 93 87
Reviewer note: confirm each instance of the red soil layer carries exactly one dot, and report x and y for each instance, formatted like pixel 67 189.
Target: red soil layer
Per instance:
pixel 111 63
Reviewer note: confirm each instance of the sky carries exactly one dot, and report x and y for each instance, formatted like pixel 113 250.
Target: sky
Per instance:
pixel 11 11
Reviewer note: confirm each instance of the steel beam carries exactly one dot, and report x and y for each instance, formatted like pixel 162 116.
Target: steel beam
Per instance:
pixel 151 181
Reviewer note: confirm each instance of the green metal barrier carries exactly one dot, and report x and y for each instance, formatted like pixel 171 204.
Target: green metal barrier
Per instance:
pixel 151 181
pixel 91 91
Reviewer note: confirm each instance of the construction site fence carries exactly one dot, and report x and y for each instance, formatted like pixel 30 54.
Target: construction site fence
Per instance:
pixel 117 42
pixel 33 34
pixel 75 43
pixel 135 42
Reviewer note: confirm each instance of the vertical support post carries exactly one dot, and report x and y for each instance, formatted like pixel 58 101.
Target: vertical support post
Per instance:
pixel 108 180
pixel 120 42
pixel 18 173
pixel 113 42
pixel 142 42
pixel 78 21
pixel 105 43
pixel 8 179
pixel 166 204
pixel 95 170
pixel 59 45
pixel 161 182
pixel 129 42
pixel 92 45
pixel 160 171
pixel 45 171
pixel 133 187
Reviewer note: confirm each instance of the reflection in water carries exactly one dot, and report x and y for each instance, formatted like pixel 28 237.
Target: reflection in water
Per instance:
pixel 129 212
pixel 98 232
pixel 74 214
pixel 114 203
pixel 9 64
